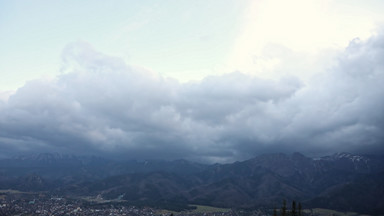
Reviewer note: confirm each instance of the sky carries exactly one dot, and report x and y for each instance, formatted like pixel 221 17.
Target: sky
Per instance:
pixel 204 80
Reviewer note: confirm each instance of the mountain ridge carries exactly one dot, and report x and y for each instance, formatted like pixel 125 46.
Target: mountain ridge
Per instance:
pixel 260 181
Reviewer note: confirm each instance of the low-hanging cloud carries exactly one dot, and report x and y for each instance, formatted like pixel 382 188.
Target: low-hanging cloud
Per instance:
pixel 100 105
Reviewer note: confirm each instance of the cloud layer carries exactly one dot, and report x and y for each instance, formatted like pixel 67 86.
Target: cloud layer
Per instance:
pixel 100 105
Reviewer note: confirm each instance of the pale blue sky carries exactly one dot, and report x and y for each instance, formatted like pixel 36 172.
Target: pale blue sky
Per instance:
pixel 168 37
pixel 297 62
pixel 185 40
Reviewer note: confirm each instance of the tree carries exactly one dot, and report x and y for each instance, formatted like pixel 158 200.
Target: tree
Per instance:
pixel 274 212
pixel 299 210
pixel 284 208
pixel 293 211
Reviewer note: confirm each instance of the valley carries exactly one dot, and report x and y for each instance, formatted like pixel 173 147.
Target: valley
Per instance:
pixel 343 182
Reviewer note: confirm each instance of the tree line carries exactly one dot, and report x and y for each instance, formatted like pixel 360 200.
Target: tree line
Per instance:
pixel 295 210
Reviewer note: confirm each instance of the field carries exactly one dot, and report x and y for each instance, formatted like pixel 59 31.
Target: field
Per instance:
pixel 329 212
pixel 9 191
pixel 200 209
pixel 208 209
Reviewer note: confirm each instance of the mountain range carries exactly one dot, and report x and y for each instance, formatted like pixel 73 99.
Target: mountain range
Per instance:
pixel 342 181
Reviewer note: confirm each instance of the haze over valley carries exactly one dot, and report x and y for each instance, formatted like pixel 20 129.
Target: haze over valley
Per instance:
pixel 167 104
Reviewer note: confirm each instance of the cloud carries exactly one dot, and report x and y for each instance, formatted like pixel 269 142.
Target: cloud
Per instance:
pixel 100 105
pixel 300 26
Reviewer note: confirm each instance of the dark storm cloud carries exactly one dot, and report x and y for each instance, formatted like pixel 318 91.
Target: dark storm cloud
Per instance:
pixel 99 105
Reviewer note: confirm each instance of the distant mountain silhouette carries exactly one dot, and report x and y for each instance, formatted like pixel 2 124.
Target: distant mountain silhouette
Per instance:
pixel 342 181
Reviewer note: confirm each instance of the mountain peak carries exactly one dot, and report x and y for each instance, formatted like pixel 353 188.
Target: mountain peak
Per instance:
pixel 346 156
pixel 44 157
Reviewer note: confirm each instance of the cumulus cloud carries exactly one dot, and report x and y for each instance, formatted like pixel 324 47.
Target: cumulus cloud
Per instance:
pixel 100 105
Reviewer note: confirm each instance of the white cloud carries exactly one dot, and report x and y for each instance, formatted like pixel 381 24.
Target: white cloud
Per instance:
pixel 297 27
pixel 100 105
